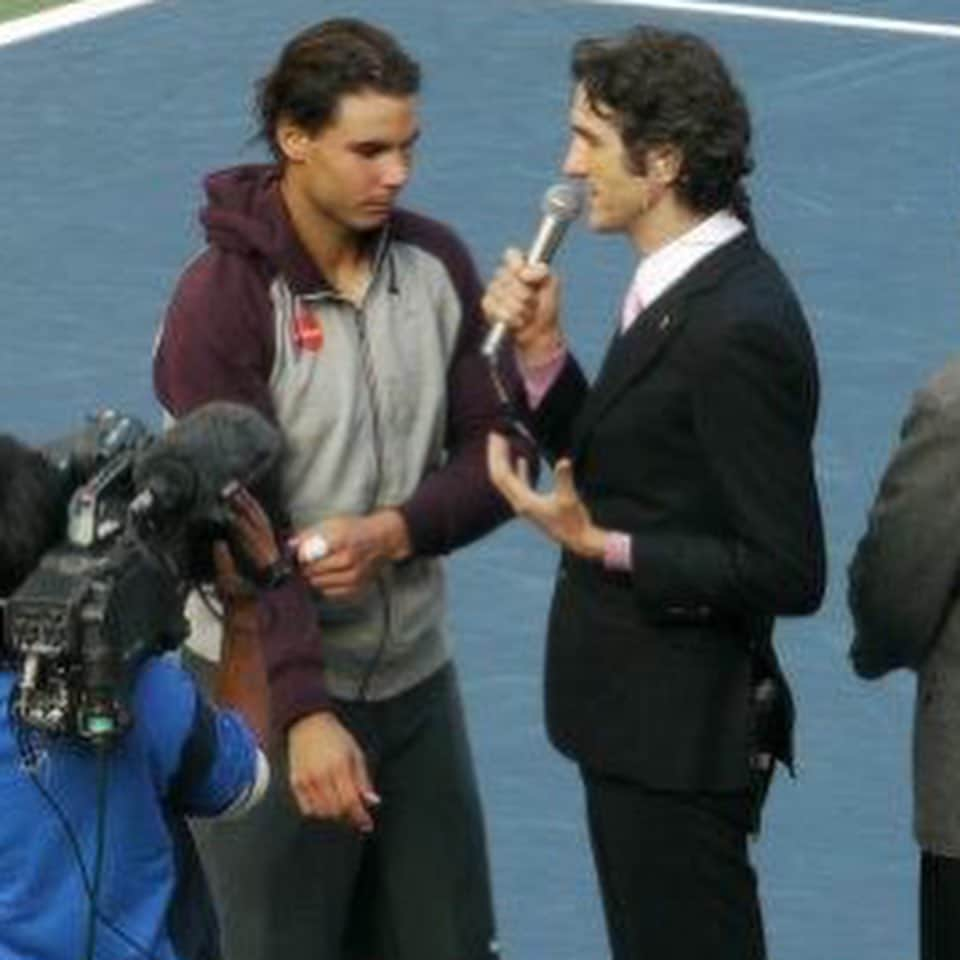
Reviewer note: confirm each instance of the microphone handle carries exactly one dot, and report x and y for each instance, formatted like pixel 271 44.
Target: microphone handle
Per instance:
pixel 548 238
pixel 544 246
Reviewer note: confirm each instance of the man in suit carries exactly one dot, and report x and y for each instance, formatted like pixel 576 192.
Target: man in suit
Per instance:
pixel 684 497
pixel 903 596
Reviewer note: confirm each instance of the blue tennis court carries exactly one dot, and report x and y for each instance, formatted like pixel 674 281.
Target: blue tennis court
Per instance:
pixel 107 130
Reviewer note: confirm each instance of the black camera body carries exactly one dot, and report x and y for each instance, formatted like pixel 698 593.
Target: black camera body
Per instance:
pixel 79 628
pixel 141 521
pixel 98 603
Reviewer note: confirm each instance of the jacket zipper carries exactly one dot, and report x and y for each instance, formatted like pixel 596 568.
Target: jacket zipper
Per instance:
pixel 376 427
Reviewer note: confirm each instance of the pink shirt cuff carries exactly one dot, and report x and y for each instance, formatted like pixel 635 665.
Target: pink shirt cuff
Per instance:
pixel 538 379
pixel 617 553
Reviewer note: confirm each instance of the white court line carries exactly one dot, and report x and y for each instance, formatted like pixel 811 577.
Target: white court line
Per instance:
pixel 822 18
pixel 26 28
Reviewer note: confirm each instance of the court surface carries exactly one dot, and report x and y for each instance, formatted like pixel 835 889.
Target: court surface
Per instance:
pixel 107 129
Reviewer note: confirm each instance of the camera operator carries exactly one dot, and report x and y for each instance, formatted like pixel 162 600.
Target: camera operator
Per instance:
pixel 94 844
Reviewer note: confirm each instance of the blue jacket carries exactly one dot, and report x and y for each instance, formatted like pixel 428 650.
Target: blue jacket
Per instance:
pixel 181 758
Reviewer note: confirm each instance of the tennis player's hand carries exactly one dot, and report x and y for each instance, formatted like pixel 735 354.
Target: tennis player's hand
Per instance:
pixel 355 548
pixel 328 772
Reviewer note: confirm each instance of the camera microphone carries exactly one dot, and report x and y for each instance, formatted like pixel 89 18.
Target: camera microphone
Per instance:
pixel 179 481
pixel 187 468
pixel 561 205
pixel 140 530
pixel 170 485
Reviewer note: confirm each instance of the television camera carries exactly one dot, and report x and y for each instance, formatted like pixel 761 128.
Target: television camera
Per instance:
pixel 142 517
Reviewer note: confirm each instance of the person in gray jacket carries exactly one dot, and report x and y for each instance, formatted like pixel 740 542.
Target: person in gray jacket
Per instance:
pixel 355 326
pixel 904 601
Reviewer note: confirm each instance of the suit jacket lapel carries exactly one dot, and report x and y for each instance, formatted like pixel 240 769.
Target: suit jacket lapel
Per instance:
pixel 631 353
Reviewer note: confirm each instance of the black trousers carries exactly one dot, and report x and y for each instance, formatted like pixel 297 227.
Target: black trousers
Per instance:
pixel 939 907
pixel 674 874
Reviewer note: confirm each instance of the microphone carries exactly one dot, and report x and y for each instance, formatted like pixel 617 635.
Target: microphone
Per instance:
pixel 560 206
pixel 188 467
pixel 182 480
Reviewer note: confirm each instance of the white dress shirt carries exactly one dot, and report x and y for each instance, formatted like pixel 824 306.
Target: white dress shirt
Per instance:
pixel 660 270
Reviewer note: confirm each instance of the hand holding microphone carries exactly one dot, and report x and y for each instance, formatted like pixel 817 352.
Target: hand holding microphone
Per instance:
pixel 522 297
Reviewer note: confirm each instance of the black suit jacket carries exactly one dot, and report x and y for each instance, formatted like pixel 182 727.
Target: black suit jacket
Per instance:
pixel 696 440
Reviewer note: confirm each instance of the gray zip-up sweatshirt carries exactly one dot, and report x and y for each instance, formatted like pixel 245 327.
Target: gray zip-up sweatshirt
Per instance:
pixel 385 405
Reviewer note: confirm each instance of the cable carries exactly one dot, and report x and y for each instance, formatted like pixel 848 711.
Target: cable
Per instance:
pixel 363 688
pixel 102 758
pixel 508 406
pixel 30 763
pixel 153 555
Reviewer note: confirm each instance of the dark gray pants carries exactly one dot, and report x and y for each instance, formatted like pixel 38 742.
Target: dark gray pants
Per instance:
pixel 292 888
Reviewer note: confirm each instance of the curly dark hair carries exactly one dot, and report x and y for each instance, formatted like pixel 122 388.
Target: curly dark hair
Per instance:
pixel 32 511
pixel 322 64
pixel 662 88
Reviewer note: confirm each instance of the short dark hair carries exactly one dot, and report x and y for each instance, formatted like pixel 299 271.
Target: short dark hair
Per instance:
pixel 324 63
pixel 664 88
pixel 32 511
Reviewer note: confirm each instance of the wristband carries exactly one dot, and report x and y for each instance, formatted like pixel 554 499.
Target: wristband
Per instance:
pixel 275 575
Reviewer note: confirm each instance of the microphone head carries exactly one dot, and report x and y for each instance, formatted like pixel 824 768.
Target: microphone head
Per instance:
pixel 186 472
pixel 563 201
pixel 221 442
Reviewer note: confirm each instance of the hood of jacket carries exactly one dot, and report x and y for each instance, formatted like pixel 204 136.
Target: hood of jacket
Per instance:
pixel 245 214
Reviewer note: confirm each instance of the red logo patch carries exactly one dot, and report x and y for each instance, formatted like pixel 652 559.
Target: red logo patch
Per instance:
pixel 308 329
